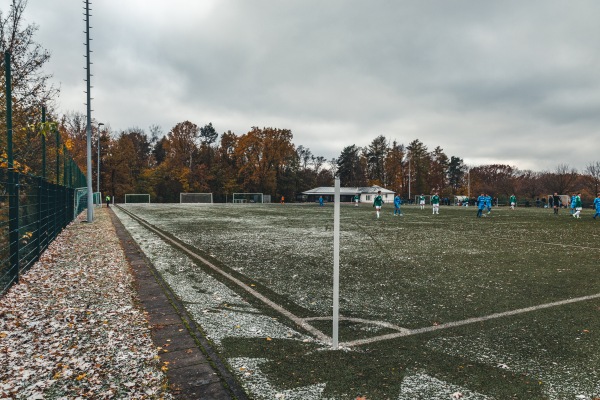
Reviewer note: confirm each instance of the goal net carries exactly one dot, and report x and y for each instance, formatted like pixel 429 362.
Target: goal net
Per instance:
pixel 565 200
pixel 97 199
pixel 79 201
pixel 248 198
pixel 137 198
pixel 195 198
pixel 427 199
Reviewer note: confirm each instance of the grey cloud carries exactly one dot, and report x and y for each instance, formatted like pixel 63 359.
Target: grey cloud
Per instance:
pixel 466 75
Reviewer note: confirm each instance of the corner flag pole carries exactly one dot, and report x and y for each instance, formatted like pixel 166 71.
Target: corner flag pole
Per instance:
pixel 336 263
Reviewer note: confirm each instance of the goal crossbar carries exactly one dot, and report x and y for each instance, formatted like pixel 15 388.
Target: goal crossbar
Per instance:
pixel 195 198
pixel 137 198
pixel 248 198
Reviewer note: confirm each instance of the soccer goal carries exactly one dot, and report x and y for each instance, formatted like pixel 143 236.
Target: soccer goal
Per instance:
pixel 97 199
pixel 79 201
pixel 427 199
pixel 248 198
pixel 195 198
pixel 565 200
pixel 137 198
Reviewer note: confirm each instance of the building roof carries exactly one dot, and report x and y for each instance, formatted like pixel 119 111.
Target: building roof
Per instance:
pixel 348 190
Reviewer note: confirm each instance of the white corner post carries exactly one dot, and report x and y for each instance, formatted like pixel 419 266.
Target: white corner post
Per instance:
pixel 336 264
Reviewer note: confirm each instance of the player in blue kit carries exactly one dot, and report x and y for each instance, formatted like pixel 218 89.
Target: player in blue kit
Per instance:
pixel 397 204
pixel 481 202
pixel 488 203
pixel 597 205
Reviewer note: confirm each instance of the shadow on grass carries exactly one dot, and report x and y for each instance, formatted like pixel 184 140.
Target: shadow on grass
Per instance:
pixel 377 372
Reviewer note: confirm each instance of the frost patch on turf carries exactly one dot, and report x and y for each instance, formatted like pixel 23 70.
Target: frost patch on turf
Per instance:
pixel 421 386
pixel 258 387
pixel 222 324
pixel 220 311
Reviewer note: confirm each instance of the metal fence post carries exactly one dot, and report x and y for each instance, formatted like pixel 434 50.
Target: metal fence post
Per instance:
pixel 44 143
pixel 13 179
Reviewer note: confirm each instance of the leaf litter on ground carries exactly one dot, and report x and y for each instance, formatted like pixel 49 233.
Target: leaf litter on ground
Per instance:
pixel 71 327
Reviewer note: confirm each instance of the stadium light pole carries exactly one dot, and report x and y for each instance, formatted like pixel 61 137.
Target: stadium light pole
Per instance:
pixel 98 174
pixel 90 197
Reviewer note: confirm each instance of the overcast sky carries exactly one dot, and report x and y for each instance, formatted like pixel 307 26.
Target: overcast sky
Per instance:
pixel 512 82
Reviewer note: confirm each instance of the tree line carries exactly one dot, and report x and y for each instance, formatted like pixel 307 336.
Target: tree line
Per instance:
pixel 196 158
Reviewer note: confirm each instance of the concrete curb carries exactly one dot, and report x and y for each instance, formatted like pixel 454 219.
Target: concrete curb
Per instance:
pixel 195 370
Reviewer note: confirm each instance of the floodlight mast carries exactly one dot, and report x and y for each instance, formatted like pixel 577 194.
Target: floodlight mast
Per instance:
pixel 90 197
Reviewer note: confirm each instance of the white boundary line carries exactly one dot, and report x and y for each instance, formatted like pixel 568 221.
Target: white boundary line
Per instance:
pixel 362 321
pixel 468 321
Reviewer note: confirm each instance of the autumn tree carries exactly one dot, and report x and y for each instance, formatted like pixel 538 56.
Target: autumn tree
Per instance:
pixel 456 173
pixel 529 184
pixel 592 178
pixel 420 163
pixel 263 156
pixel 159 150
pixel 183 144
pixel 438 170
pixel 30 85
pixel 156 136
pixel 349 167
pixel 226 170
pixel 375 155
pixel 493 179
pixel 306 177
pixel 562 180
pixel 118 164
pixel 395 167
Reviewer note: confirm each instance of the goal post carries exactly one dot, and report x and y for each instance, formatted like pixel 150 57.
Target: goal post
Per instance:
pixel 136 198
pixel 98 199
pixel 195 198
pixel 240 198
pixel 79 201
pixel 565 200
pixel 427 199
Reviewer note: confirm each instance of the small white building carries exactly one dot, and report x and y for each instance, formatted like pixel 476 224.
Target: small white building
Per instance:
pixel 366 194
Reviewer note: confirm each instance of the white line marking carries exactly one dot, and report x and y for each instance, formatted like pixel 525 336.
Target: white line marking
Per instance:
pixel 467 321
pixel 362 321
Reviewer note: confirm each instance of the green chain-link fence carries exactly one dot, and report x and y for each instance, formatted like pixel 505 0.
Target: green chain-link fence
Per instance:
pixel 38 195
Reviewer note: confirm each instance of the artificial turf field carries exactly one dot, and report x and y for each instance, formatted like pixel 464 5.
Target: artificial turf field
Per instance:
pixel 404 281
